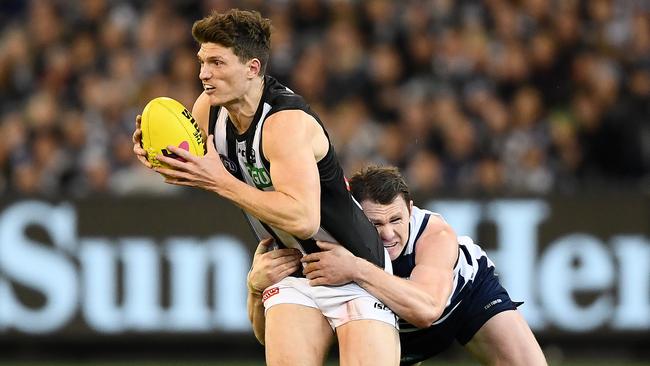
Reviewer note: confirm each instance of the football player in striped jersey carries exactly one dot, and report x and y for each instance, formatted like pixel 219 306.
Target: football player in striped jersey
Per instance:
pixel 444 287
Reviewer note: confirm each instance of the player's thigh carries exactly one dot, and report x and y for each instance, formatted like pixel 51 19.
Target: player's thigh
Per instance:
pixel 506 339
pixel 296 335
pixel 368 342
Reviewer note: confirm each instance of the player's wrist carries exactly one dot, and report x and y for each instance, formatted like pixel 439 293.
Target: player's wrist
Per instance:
pixel 252 289
pixel 360 271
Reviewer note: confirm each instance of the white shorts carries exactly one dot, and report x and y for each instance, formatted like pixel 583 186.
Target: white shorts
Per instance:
pixel 339 304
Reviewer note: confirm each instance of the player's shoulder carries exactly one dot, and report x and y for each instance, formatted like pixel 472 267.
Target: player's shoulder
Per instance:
pixel 432 218
pixel 432 225
pixel 202 102
pixel 289 123
pixel 281 98
pixel 201 110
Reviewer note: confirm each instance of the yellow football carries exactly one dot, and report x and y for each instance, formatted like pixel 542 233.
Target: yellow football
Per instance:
pixel 166 122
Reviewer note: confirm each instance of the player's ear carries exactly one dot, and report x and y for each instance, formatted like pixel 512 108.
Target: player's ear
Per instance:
pixel 254 67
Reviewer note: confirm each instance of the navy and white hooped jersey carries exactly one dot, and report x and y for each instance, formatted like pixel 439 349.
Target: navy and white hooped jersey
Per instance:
pixel 471 260
pixel 342 219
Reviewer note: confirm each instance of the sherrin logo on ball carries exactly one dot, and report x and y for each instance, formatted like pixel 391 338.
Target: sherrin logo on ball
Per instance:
pixel 166 122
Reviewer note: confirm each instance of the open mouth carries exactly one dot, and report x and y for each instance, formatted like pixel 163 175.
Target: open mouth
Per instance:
pixel 208 88
pixel 389 245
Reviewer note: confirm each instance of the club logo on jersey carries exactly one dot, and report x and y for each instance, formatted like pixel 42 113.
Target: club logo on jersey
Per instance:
pixel 270 292
pixel 259 176
pixel 229 164
pixel 250 157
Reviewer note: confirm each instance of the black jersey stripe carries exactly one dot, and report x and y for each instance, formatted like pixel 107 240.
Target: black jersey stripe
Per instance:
pixel 212 120
pixel 341 219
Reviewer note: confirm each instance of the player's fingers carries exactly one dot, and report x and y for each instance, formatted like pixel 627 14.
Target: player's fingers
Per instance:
pixel 263 246
pixel 287 271
pixel 139 150
pixel 318 281
pixel 285 259
pixel 326 245
pixel 212 150
pixel 313 275
pixel 172 173
pixel 178 182
pixel 314 257
pixel 288 266
pixel 174 163
pixel 182 153
pixel 144 161
pixel 285 253
pixel 267 242
pixel 141 155
pixel 311 267
pixel 136 137
pixel 138 121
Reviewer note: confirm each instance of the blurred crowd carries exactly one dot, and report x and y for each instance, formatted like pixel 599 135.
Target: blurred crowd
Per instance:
pixel 477 97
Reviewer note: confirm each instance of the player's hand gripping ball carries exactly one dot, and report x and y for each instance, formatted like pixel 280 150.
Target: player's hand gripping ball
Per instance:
pixel 167 122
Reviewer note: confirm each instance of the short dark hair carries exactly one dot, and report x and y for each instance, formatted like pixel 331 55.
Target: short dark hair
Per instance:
pixel 379 184
pixel 246 32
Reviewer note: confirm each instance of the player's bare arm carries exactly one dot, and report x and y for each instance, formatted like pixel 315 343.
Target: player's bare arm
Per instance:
pixel 419 300
pixel 268 268
pixel 291 143
pixel 201 111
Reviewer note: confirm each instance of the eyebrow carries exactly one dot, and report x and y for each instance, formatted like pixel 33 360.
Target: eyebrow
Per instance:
pixel 210 58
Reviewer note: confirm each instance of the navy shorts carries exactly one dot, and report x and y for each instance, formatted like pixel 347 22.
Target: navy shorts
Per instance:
pixel 484 300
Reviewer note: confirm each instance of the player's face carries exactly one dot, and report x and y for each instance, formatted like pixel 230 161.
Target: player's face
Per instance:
pixel 225 78
pixel 392 223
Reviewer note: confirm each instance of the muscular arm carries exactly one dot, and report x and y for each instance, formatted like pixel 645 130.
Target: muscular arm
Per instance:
pixel 201 111
pixel 419 300
pixel 268 268
pixel 256 314
pixel 292 142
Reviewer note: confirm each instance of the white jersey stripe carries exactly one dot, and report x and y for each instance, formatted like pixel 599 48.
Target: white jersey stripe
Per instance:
pixel 464 271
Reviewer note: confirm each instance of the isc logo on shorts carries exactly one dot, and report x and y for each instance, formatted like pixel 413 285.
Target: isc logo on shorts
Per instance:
pixel 270 292
pixel 381 306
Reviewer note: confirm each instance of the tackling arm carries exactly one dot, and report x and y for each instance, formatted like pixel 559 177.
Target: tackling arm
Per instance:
pixel 419 300
pixel 255 307
pixel 268 268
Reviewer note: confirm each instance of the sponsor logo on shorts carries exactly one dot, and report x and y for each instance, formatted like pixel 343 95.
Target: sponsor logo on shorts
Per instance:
pixel 491 303
pixel 270 292
pixel 381 306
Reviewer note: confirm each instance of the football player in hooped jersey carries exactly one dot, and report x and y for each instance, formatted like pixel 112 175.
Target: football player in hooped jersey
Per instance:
pixel 447 290
pixel 269 154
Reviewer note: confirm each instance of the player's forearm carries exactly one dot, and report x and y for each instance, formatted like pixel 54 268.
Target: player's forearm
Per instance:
pixel 404 297
pixel 274 208
pixel 256 315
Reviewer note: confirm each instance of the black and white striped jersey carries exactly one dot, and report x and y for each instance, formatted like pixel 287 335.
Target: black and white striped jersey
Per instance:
pixel 471 259
pixel 342 219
